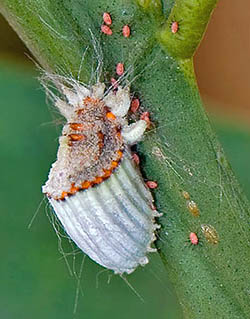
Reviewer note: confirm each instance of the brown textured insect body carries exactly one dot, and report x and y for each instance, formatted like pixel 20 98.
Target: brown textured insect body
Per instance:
pixel 92 147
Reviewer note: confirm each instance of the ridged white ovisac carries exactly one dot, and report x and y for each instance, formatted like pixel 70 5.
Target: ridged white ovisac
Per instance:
pixel 95 187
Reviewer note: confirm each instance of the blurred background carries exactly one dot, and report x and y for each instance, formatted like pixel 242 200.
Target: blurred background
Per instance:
pixel 35 279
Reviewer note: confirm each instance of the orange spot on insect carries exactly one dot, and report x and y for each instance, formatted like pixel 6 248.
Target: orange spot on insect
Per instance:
pixel 87 100
pixel 107 18
pixel 110 116
pixel 136 158
pixel 73 189
pixel 97 180
pixel 77 137
pixel 114 164
pixel 107 173
pixel 174 27
pixel 120 68
pixel 86 184
pixel 134 105
pixel 63 195
pixel 106 30
pixel 120 153
pixel 145 117
pixel 77 126
pixel 193 238
pixel 118 134
pixel 151 184
pixel 126 31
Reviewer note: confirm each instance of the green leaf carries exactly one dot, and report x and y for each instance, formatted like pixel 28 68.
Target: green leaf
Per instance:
pixel 180 151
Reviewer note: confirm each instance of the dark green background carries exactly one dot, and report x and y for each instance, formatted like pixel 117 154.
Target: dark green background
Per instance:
pixel 34 279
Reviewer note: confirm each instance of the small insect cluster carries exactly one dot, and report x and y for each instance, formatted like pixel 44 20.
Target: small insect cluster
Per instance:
pixel 208 231
pixel 106 26
pixel 95 186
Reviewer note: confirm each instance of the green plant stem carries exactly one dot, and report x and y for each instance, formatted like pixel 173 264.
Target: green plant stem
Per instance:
pixel 192 17
pixel 180 151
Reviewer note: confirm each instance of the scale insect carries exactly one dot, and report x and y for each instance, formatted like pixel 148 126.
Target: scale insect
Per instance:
pixel 95 187
pixel 193 208
pixel 210 234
